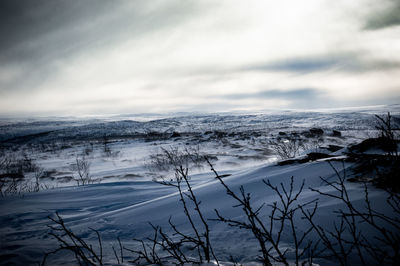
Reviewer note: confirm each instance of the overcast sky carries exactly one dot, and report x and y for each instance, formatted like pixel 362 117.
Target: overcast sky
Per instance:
pixel 109 57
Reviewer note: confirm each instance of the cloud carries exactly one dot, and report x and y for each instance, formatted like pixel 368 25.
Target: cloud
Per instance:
pixel 347 62
pixel 300 65
pixel 293 94
pixel 299 97
pixel 123 56
pixel 42 37
pixel 33 28
pixel 386 15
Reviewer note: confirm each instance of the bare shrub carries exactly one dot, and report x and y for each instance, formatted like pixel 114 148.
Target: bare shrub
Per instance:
pixel 388 130
pixel 82 168
pixel 27 164
pixel 105 142
pixel 364 234
pixel 174 157
pixel 17 163
pixel 175 244
pixel 11 186
pixel 88 149
pixel 12 175
pixel 361 235
pixel 286 148
pixel 107 151
pixel 159 249
pixel 39 173
pixel 313 144
pixel 383 167
pixel 15 184
pixel 83 252
pixel 281 219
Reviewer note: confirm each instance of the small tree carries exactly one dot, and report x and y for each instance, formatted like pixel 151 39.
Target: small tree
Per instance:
pixel 387 130
pixel 174 157
pixel 269 232
pixel 82 168
pixel 360 235
pixel 39 173
pixel 84 252
pixel 287 148
pixel 173 245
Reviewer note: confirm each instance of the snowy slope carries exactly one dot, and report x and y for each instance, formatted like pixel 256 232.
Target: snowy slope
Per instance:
pixel 236 140
pixel 123 198
pixel 124 210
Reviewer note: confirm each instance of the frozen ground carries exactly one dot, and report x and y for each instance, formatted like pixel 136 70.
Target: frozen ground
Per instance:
pixel 123 198
pixel 118 148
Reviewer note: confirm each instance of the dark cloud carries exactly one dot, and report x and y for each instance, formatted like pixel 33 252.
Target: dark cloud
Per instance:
pixel 388 16
pixel 302 65
pixel 377 65
pixel 50 46
pixel 24 24
pixel 38 27
pixel 37 33
pixel 343 62
pixel 301 93
pixel 298 98
pixel 310 98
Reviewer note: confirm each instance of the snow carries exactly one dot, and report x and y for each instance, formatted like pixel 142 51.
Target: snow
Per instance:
pixel 123 209
pixel 125 199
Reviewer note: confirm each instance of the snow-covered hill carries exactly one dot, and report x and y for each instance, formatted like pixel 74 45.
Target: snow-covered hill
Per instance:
pixel 124 210
pixel 124 199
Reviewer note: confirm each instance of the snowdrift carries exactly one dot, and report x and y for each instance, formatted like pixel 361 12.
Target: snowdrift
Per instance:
pixel 124 210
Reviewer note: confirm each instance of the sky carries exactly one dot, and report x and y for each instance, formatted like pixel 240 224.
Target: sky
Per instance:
pixel 60 57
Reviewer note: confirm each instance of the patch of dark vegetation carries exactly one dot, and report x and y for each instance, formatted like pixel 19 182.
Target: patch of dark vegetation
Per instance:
pixel 336 133
pixel 220 134
pixel 26 138
pixel 5 258
pixel 251 157
pixel 49 174
pixel 17 164
pixel 312 156
pixel 154 136
pixel 236 146
pixel 380 169
pixel 374 144
pixel 333 148
pixel 388 176
pixel 378 159
pixel 289 145
pixel 12 176
pixel 313 133
pixel 286 148
pixel 171 157
pixel 175 135
pixel 128 176
pixel 316 131
pixel 65 179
